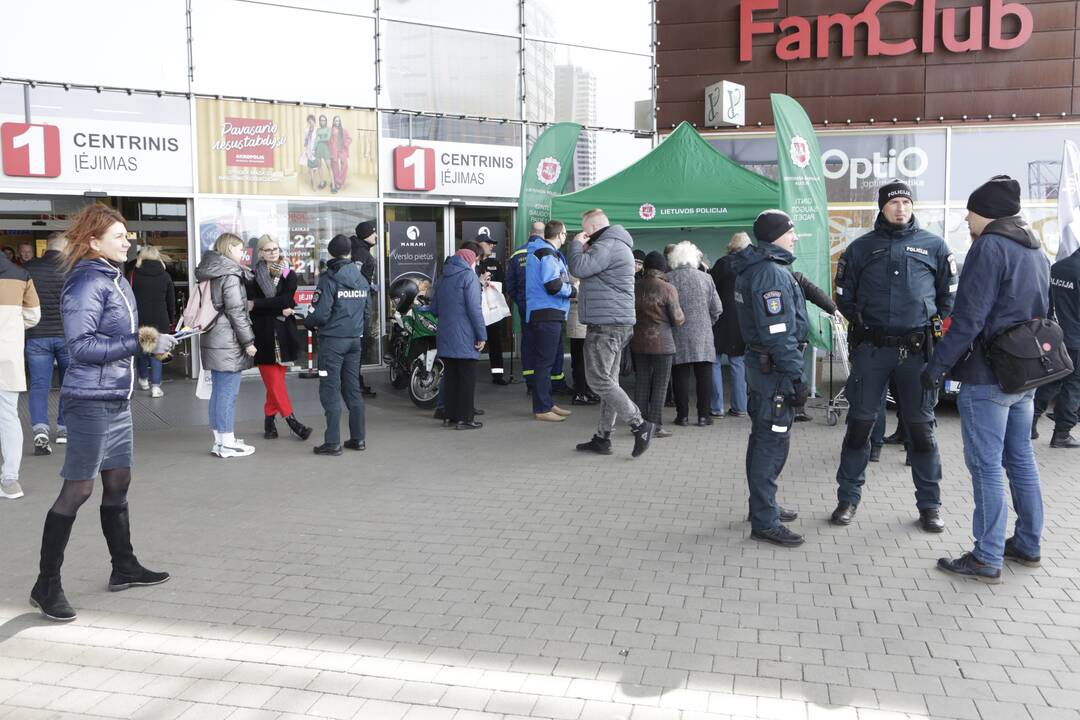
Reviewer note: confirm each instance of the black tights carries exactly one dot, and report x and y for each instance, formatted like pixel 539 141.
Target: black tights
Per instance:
pixel 114 488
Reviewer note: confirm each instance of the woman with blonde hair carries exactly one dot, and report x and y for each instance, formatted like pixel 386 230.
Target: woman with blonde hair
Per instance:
pixel 228 346
pixel 276 347
pixel 694 350
pixel 101 328
pixel 155 297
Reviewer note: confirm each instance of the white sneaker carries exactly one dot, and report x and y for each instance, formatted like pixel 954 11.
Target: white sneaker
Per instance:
pixel 61 436
pixel 11 490
pixel 157 392
pixel 239 449
pixel 144 384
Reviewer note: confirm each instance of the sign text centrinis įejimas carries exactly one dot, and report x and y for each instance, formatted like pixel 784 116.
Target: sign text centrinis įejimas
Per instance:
pixel 803 38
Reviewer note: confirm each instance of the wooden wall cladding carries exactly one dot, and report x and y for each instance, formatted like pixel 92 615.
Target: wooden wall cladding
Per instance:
pixel 699 45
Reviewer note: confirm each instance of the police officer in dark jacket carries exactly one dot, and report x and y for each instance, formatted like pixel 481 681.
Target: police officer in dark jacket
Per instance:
pixel 339 311
pixel 894 285
pixel 363 242
pixel 1065 306
pixel 772 319
pixel 489 269
pixel 819 297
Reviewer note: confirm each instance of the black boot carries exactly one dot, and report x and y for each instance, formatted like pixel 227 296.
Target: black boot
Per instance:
pixel 1063 440
pixel 299 429
pixel 1035 426
pixel 48 595
pixel 599 445
pixel 269 428
pixel 126 572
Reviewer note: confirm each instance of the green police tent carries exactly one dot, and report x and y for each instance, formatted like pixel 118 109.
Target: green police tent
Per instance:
pixel 683 190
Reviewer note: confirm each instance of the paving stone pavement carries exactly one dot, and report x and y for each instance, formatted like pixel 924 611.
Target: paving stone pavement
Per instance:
pixel 498 574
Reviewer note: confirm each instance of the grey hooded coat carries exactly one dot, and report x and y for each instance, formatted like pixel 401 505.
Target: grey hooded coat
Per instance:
pixel 222 346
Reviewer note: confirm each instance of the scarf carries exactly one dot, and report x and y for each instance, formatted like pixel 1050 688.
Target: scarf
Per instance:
pixel 265 281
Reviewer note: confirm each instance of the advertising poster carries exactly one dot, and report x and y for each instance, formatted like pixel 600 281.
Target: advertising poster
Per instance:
pixel 412 250
pixel 546 173
pixel 296 150
pixel 471 230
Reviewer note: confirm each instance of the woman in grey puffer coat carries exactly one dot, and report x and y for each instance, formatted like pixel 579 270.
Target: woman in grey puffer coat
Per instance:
pixel 694 347
pixel 228 347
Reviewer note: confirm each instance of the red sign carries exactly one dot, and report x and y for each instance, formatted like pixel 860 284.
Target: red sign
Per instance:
pixel 249 142
pixel 414 168
pixel 804 38
pixel 30 150
pixel 303 297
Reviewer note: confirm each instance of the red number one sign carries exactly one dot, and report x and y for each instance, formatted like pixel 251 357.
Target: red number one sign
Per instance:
pixel 30 150
pixel 414 168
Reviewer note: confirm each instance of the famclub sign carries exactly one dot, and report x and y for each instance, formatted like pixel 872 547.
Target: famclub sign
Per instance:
pixel 803 38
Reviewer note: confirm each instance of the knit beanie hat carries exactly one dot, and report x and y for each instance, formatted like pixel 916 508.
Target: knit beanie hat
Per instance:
pixel 656 261
pixel 893 189
pixel 339 246
pixel 639 255
pixel 772 225
pixel 997 198
pixel 467 255
pixel 365 229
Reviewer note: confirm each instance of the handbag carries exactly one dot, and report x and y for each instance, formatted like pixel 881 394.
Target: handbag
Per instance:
pixel 1028 355
pixel 204 386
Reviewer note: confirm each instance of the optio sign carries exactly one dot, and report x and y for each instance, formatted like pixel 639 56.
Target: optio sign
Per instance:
pixel 909 163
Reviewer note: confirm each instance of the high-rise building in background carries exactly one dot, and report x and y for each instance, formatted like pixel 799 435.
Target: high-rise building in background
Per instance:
pixel 575 101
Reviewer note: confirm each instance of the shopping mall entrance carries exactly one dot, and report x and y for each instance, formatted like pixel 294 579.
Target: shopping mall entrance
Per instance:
pixel 27 221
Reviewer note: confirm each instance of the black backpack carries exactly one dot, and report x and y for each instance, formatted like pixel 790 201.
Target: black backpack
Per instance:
pixel 1028 355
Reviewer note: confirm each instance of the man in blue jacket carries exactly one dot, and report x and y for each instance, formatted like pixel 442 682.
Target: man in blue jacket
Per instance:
pixel 1005 282
pixel 340 309
pixel 516 290
pixel 1065 306
pixel 548 292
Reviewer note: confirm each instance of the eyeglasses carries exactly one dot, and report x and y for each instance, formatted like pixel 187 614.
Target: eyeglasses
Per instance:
pixel 271 250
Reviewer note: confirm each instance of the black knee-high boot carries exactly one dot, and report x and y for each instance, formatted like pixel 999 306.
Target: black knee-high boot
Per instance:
pixel 48 595
pixel 126 572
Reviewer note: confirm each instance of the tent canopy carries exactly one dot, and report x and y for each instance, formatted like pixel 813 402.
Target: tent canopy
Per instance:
pixel 684 182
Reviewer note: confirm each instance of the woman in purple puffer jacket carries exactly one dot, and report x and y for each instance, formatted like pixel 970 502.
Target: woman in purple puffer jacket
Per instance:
pixel 101 328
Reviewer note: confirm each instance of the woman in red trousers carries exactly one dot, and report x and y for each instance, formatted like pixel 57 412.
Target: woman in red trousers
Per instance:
pixel 276 347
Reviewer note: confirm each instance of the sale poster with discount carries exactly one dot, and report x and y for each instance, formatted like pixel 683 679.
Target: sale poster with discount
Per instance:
pixel 247 148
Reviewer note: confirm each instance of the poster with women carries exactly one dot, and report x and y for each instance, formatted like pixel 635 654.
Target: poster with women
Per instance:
pixel 251 148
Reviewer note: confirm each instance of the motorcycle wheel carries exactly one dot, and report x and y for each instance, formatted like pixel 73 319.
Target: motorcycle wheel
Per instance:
pixel 424 385
pixel 399 379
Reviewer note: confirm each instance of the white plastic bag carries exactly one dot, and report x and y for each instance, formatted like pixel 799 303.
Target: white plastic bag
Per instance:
pixel 204 386
pixel 494 304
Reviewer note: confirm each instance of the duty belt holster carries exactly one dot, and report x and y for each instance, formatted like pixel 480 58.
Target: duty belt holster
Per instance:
pixel 910 342
pixel 765 361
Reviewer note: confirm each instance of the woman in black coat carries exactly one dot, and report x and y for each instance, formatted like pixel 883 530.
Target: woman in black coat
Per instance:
pixel 155 298
pixel 726 334
pixel 271 306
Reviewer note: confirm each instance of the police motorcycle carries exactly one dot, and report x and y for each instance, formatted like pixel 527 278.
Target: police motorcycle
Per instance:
pixel 410 352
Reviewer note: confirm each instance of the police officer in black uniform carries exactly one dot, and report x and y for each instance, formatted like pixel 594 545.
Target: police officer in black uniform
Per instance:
pixel 489 269
pixel 894 285
pixel 340 309
pixel 362 243
pixel 772 318
pixel 1065 306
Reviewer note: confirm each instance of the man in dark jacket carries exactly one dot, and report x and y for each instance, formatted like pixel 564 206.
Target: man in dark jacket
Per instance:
pixel 1006 281
pixel 726 335
pixel 361 255
pixel 894 285
pixel 602 257
pixel 1065 306
pixel 772 319
pixel 515 290
pixel 340 309
pixel 489 269
pixel 45 346
pixel 815 296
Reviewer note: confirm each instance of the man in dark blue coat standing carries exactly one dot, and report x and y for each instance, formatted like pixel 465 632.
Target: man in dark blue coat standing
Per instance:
pixel 1006 281
pixel 894 285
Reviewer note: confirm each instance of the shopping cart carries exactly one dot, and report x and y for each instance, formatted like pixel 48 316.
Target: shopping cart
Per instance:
pixel 837 404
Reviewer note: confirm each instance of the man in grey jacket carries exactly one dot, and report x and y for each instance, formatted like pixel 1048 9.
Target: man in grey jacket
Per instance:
pixel 601 257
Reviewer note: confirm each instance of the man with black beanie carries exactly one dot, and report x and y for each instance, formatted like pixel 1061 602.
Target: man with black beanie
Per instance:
pixel 894 285
pixel 1006 281
pixel 772 319
pixel 362 243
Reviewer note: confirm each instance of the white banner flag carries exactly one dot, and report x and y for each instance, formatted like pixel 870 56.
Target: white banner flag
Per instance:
pixel 1069 201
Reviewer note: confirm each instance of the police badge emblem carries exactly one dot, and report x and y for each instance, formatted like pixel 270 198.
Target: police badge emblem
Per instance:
pixel 774 304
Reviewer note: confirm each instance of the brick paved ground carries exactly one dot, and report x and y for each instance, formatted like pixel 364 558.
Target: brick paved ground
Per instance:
pixel 468 576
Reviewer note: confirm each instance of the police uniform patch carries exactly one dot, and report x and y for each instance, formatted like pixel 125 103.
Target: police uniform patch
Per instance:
pixel 774 303
pixel 841 269
pixel 738 297
pixel 315 296
pixel 952 264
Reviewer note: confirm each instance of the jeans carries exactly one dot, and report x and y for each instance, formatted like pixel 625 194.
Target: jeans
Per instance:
pixel 604 346
pixel 41 355
pixel 738 384
pixel 996 427
pixel 226 386
pixel 11 435
pixel 149 365
pixel 546 344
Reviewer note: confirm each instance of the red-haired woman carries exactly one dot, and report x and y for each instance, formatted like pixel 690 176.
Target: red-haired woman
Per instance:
pixel 101 327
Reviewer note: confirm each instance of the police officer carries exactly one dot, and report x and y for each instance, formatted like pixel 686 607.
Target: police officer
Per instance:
pixel 489 269
pixel 362 243
pixel 340 309
pixel 772 318
pixel 894 285
pixel 1065 305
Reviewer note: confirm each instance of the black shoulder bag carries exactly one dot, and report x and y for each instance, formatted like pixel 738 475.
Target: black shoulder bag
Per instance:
pixel 1028 355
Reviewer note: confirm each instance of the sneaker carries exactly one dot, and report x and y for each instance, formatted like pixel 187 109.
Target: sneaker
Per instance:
pixel 156 391
pixel 144 384
pixel 583 399
pixel 662 432
pixel 238 449
pixel 41 443
pixel 355 445
pixel 1014 554
pixel 642 435
pixel 732 412
pixel 597 444
pixel 778 535
pixel 967 566
pixel 327 449
pixel 803 416
pixel 11 489
pixel 61 436
pixel 786 515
